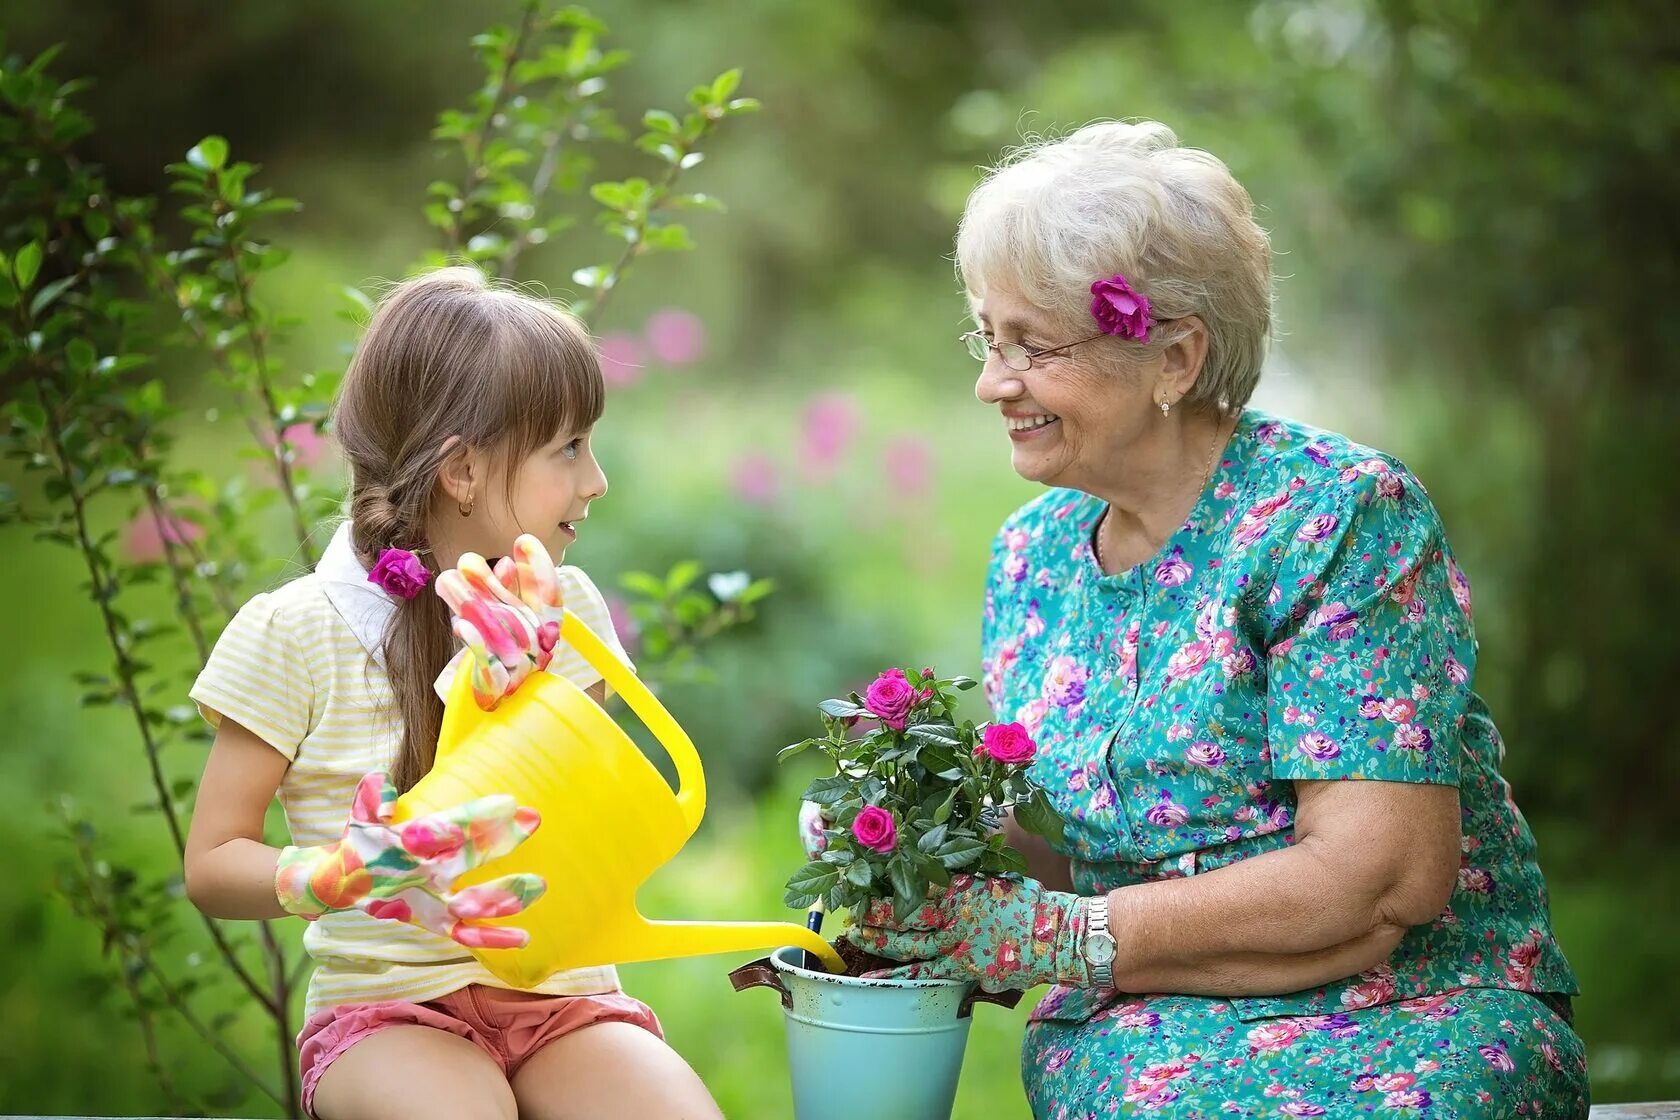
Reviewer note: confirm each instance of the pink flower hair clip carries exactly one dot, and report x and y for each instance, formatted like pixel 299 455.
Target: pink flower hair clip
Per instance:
pixel 400 573
pixel 1120 309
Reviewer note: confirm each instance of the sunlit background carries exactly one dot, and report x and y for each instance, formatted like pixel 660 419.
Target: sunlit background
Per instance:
pixel 1472 207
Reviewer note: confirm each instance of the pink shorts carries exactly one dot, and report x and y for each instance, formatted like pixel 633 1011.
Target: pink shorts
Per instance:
pixel 507 1025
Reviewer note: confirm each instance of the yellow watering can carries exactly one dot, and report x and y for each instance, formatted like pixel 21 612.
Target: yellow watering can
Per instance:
pixel 609 820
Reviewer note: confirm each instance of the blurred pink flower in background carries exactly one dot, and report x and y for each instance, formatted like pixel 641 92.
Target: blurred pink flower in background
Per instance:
pixel 677 337
pixel 143 539
pixel 831 420
pixel 909 464
pixel 309 447
pixel 755 478
pixel 622 359
pixel 629 634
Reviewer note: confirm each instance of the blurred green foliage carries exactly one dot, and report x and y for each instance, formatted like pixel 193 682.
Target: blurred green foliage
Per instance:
pixel 1472 205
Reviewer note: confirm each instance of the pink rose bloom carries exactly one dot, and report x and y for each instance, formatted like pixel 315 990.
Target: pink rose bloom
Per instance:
pixel 1064 683
pixel 1318 529
pixel 756 479
pixel 1204 754
pixel 1411 737
pixel 890 698
pixel 831 421
pixel 676 337
pixel 1460 586
pixel 1497 1057
pixel 400 573
pixel 1239 664
pixel 1398 710
pixel 1007 743
pixel 1167 813
pixel 1377 986
pixel 308 446
pixel 909 466
pixel 1274 1035
pixel 1174 570
pixel 1475 880
pixel 874 829
pixel 622 359
pixel 1319 748
pixel 1120 309
pixel 1187 661
pixel 144 538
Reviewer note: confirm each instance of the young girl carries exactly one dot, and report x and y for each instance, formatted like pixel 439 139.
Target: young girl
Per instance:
pixel 465 417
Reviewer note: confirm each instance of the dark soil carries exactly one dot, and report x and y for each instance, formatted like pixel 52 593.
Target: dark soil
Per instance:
pixel 859 961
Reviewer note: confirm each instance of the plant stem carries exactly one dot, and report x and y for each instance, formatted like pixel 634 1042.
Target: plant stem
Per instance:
pixel 477 145
pixel 126 672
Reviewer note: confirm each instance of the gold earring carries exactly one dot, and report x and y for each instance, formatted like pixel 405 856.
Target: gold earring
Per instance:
pixel 1165 407
pixel 465 508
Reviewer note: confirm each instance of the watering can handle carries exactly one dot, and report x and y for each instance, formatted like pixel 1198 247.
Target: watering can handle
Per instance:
pixel 691 779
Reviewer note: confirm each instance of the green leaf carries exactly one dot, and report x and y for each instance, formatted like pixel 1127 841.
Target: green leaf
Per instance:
pixel 943 813
pixel 942 733
pixel 931 839
pixel 840 709
pixel 643 584
pixel 830 790
pixel 209 154
pixel 49 292
pixel 808 883
pixel 961 852
pixel 860 873
pixel 1038 816
pixel 788 752
pixel 909 892
pixel 681 575
pixel 941 761
pixel 726 84
pixel 81 354
pixel 658 120
pixel 27 264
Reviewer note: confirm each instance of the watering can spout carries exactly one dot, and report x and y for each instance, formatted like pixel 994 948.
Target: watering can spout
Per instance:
pixel 663 940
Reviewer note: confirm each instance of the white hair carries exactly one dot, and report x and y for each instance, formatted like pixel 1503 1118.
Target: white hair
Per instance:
pixel 1056 215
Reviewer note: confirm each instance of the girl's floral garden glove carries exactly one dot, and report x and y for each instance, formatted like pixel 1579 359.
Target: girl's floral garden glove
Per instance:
pixel 404 872
pixel 812 822
pixel 508 618
pixel 998 933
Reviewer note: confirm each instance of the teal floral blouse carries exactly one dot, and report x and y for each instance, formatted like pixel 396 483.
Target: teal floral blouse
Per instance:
pixel 1307 622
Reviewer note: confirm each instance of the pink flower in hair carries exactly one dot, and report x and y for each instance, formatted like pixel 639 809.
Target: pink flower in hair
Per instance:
pixel 1120 309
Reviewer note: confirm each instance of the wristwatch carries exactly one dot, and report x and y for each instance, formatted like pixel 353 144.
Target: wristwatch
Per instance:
pixel 1099 945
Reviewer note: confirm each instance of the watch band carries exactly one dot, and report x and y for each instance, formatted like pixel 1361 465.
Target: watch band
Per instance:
pixel 1099 944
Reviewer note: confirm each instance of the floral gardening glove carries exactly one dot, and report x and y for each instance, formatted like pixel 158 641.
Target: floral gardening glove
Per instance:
pixel 508 618
pixel 404 872
pixel 998 933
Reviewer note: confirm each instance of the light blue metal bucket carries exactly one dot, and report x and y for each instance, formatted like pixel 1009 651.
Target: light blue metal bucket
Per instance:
pixel 904 1039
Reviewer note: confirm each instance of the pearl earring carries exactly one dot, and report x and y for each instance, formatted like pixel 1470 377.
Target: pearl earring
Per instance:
pixel 1165 407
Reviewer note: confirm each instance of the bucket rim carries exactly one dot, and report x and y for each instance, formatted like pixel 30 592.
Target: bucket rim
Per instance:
pixel 780 964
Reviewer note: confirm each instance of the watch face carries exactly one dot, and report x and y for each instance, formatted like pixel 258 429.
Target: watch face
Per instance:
pixel 1099 950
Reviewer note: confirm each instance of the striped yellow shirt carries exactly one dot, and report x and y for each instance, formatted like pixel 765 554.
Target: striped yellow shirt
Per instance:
pixel 290 669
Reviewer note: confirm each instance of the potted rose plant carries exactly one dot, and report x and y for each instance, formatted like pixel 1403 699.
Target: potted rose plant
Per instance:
pixel 916 797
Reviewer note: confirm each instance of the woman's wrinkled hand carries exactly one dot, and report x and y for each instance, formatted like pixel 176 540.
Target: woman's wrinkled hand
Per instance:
pixel 998 933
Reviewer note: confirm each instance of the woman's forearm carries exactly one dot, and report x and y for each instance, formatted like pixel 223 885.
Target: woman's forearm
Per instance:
pixel 1262 974
pixel 235 879
pixel 1278 922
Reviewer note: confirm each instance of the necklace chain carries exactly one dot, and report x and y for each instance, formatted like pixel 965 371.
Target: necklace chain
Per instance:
pixel 1207 474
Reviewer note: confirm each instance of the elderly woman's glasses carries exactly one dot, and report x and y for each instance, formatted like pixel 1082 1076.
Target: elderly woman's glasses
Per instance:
pixel 1014 355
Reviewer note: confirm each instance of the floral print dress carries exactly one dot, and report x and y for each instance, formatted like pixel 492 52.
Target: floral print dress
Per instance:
pixel 1306 623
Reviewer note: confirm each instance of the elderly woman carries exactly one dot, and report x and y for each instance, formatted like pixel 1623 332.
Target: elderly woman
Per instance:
pixel 1245 652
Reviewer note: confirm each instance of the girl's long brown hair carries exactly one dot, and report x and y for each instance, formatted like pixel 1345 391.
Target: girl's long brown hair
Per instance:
pixel 448 355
